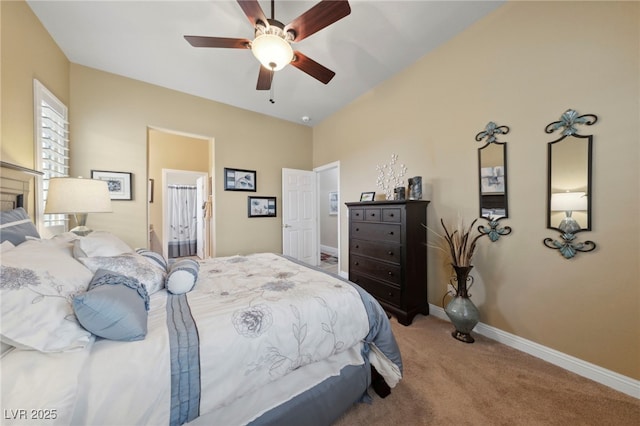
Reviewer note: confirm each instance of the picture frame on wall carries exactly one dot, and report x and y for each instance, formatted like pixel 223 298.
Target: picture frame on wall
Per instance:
pixel 240 180
pixel 262 206
pixel 119 183
pixel 367 196
pixel 333 203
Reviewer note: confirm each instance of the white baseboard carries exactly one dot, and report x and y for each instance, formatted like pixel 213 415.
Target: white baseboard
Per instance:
pixel 598 374
pixel 330 250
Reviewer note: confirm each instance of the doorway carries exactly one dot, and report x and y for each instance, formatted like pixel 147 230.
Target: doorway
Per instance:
pixel 328 184
pixel 186 154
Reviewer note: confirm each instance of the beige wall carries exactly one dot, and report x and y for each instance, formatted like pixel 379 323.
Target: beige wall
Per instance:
pixel 110 116
pixel 27 52
pixel 522 66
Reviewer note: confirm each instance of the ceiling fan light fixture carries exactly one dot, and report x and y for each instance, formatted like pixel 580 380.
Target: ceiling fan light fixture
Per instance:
pixel 271 46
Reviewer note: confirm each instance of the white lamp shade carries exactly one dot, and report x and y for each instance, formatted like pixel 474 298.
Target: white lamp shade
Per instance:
pixel 272 51
pixel 568 201
pixel 76 195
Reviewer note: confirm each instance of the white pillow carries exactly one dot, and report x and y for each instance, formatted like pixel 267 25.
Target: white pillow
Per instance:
pixel 130 265
pixel 38 280
pixel 5 246
pixel 100 243
pixel 183 276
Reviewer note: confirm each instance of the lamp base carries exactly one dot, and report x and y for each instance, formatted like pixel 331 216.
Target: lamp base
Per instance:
pixel 81 230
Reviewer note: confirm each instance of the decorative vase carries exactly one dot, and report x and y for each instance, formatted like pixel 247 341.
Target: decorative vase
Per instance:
pixel 464 315
pixel 415 188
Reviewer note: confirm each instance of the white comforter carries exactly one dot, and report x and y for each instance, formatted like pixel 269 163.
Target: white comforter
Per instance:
pixel 259 318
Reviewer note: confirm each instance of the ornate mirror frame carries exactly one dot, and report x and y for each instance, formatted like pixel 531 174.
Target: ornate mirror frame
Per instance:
pixel 492 181
pixel 569 185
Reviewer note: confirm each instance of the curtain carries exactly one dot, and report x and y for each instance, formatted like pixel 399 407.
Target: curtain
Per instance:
pixel 182 220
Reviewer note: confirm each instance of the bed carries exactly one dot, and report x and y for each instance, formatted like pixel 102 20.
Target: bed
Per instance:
pixel 99 333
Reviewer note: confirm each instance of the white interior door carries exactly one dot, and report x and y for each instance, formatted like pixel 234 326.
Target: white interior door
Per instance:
pixel 299 215
pixel 201 196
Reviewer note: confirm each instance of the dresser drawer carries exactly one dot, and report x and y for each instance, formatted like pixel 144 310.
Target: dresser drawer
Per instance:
pixel 372 215
pixel 391 215
pixel 381 291
pixel 389 252
pixel 376 231
pixel 389 272
pixel 356 214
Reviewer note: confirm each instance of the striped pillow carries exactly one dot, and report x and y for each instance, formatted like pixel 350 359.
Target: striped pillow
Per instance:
pixel 15 226
pixel 182 276
pixel 154 258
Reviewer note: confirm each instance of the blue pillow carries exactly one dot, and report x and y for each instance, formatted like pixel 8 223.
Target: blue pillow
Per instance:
pixel 15 226
pixel 154 258
pixel 115 307
pixel 182 276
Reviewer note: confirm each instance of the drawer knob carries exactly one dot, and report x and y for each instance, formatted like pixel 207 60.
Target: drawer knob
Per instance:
pixel 390 232
pixel 356 263
pixel 390 214
pixel 373 214
pixel 390 294
pixel 390 253
pixel 357 229
pixel 390 273
pixel 357 245
pixel 357 214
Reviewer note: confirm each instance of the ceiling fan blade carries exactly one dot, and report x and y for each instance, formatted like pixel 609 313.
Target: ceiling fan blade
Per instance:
pixel 264 78
pixel 254 12
pixel 233 43
pixel 318 17
pixel 311 67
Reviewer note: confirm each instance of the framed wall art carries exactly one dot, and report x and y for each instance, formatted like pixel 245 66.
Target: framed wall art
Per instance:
pixel 367 196
pixel 333 203
pixel 119 183
pixel 262 206
pixel 239 180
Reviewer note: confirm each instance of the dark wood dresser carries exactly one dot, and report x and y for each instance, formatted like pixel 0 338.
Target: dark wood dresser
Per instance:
pixel 388 254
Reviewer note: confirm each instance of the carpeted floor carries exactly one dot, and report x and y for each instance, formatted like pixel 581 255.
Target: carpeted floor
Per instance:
pixel 447 382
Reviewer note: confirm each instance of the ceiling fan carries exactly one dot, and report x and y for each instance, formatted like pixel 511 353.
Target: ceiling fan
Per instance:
pixel 272 42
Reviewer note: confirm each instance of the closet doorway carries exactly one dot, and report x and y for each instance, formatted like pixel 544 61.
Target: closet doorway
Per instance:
pixel 176 164
pixel 328 184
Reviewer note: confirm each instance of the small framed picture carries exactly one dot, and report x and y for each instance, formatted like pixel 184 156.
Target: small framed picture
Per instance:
pixel 239 180
pixel 119 183
pixel 333 203
pixel 367 196
pixel 262 206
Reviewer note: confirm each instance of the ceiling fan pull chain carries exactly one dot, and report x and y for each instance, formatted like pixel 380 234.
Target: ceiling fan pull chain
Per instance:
pixel 271 90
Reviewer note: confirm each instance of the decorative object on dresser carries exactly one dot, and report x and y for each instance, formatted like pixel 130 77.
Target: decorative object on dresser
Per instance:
pixel 415 188
pixel 389 177
pixel 461 246
pixel 78 197
pixel 388 254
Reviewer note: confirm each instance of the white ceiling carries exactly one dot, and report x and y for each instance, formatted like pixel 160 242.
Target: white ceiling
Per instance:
pixel 144 40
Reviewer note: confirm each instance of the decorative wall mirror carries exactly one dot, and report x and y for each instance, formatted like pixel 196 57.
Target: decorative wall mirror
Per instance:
pixel 569 188
pixel 492 178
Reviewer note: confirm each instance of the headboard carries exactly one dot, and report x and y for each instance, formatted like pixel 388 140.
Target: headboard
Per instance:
pixel 16 183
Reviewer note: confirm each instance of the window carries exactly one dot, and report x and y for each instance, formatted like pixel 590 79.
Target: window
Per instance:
pixel 52 152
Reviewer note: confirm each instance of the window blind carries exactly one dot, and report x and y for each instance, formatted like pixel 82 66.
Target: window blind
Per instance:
pixel 52 148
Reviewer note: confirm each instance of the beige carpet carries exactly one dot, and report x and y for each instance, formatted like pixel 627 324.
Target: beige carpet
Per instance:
pixel 447 382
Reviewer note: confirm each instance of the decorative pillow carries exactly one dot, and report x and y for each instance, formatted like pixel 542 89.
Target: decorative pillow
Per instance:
pixel 182 276
pixel 5 246
pixel 100 243
pixel 115 307
pixel 154 258
pixel 130 265
pixel 15 226
pixel 38 280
